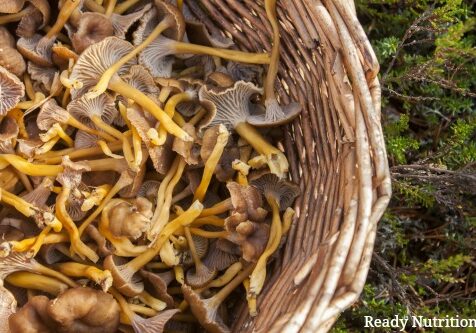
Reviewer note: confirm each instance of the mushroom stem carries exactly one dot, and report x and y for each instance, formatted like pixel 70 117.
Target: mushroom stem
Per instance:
pixel 105 149
pixel 136 139
pixel 119 86
pixel 124 6
pixel 57 131
pixel 217 209
pixel 229 274
pixel 212 162
pixel 75 123
pixel 74 269
pixel 66 10
pixel 26 244
pixel 95 197
pixel 41 217
pixel 94 6
pixel 170 111
pixel 8 18
pixel 193 249
pixel 129 156
pixel 209 220
pixel 180 4
pixel 151 301
pixel 259 273
pixel 276 160
pixel 183 220
pixel 270 6
pixel 210 234
pixel 40 239
pixel 77 245
pixel 29 168
pixel 179 274
pixel 56 156
pixel 30 92
pixel 111 4
pixel 288 219
pixel 34 281
pixel 123 181
pixel 164 200
pixel 232 55
pixel 106 77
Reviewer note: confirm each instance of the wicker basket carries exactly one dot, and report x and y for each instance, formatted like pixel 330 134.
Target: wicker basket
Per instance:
pixel 336 151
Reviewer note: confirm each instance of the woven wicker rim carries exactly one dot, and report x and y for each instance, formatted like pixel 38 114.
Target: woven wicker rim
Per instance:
pixel 336 151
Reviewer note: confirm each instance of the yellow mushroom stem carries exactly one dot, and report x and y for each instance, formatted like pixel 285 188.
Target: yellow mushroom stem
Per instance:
pixel 119 86
pixel 28 104
pixel 164 200
pixel 212 163
pixel 47 146
pixel 55 157
pixel 143 310
pixel 185 219
pixel 39 282
pixel 111 4
pixel 270 6
pixel 136 139
pixel 123 247
pixel 57 130
pixel 124 6
pixel 101 277
pixel 77 245
pixel 288 219
pixel 276 160
pixel 67 82
pixel 40 240
pixel 29 210
pixel 75 123
pixel 157 265
pixel 27 243
pixel 231 55
pixel 170 111
pixel 121 183
pixel 243 170
pixel 94 6
pixel 19 117
pixel 258 275
pixel 30 92
pixel 180 4
pixel 252 306
pixel 8 18
pixel 105 149
pixel 229 274
pixel 210 234
pixel 65 12
pixel 95 197
pixel 193 250
pixel 209 220
pixel 125 307
pixel 66 98
pixel 106 77
pixel 179 274
pixel 128 155
pixel 218 208
pixel 151 301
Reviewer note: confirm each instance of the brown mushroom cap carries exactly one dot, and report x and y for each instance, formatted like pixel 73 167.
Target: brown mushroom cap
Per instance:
pixel 31 317
pixel 44 76
pixel 218 259
pixel 149 190
pixel 130 220
pixel 199 276
pixel 11 6
pixel 197 33
pixel 51 113
pixel 247 200
pixel 84 310
pixel 246 72
pixel 282 190
pixel 189 150
pixel 10 58
pixel 165 9
pixel 159 282
pixel 122 23
pixel 6 38
pixel 275 114
pixel 92 28
pixel 11 91
pixel 36 49
pixel 154 324
pixel 37 17
pixel 96 59
pixel 8 129
pixel 84 108
pixel 255 238
pixel 127 283
pixel 140 78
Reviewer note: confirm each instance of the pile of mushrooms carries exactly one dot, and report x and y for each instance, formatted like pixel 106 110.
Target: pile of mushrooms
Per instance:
pixel 143 183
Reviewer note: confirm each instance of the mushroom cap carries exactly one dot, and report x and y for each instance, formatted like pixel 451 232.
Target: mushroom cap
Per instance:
pixel 11 91
pixel 197 33
pixel 84 139
pixel 83 109
pixel 165 9
pixel 36 49
pixel 96 59
pixel 40 194
pixel 11 6
pixel 219 259
pixel 246 72
pixel 230 106
pixel 255 238
pixel 31 317
pixel 12 60
pixel 85 310
pixel 72 173
pixel 276 115
pixel 93 28
pixel 206 315
pixel 122 23
pixel 220 79
pixel 9 233
pixel 6 38
pixel 51 113
pixel 50 254
pixel 127 220
pixel 45 76
pixel 140 78
pixel 126 282
pixel 201 247
pixel 189 150
pixel 159 282
pixel 8 129
pixel 155 324
pixel 149 190
pixel 38 16
pixel 198 277
pixel 282 190
pixel 246 200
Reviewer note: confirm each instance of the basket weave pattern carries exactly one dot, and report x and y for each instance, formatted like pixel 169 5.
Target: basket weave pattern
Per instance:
pixel 336 152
